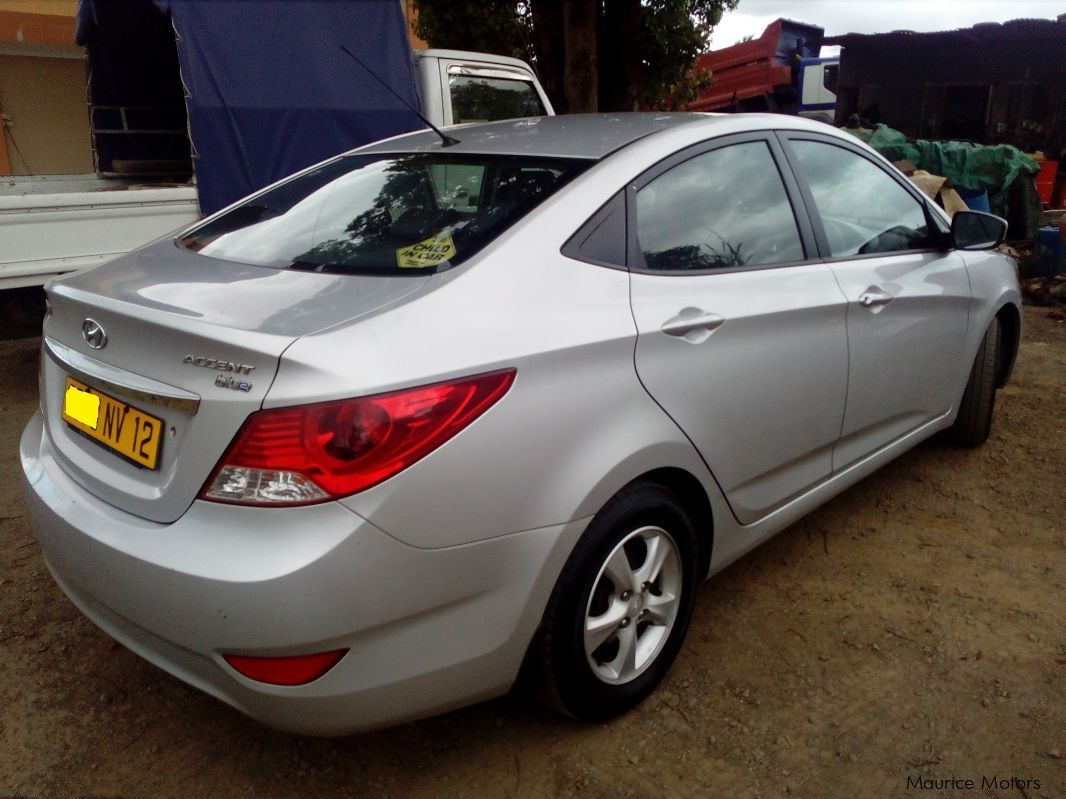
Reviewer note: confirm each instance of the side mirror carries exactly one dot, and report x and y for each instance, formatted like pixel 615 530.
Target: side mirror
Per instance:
pixel 973 230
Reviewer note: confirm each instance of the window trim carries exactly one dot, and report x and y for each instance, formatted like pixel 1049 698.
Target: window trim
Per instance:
pixel 826 256
pixel 572 247
pixel 800 214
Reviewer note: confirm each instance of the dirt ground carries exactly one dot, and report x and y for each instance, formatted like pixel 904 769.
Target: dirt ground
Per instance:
pixel 912 629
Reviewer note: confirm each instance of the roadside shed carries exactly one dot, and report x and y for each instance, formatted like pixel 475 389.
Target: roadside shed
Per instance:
pixel 990 84
pixel 240 93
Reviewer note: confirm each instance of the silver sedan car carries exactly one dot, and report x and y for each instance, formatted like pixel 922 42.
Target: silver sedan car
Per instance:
pixel 352 450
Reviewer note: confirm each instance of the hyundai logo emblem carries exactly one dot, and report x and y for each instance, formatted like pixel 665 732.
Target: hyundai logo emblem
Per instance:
pixel 93 333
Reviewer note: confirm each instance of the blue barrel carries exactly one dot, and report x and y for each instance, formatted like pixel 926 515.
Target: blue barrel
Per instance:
pixel 975 200
pixel 1049 252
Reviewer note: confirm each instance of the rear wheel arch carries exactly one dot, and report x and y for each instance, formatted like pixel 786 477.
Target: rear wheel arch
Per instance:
pixel 671 462
pixel 693 497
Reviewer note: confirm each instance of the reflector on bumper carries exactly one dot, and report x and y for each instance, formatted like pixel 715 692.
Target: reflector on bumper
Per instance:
pixel 297 670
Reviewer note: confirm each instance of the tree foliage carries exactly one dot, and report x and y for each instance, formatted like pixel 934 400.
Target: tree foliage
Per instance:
pixel 609 55
pixel 502 27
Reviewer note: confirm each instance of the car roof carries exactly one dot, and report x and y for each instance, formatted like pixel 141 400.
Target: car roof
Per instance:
pixel 591 136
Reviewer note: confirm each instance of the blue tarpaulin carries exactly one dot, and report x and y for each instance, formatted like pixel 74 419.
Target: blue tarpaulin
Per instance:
pixel 268 89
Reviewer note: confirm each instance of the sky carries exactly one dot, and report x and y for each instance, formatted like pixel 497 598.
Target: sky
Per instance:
pixel 876 16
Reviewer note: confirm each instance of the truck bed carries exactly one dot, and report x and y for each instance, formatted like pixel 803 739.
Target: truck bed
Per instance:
pixel 55 224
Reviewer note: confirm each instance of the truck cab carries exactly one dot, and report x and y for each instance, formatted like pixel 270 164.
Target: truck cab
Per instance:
pixel 460 87
pixel 818 79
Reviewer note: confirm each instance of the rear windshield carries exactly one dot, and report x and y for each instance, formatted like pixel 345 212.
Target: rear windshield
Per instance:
pixel 393 214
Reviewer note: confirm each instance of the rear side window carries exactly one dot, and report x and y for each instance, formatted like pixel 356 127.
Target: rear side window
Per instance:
pixel 478 99
pixel 724 208
pixel 390 214
pixel 863 210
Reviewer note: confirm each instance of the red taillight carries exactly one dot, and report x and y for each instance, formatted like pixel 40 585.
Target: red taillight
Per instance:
pixel 296 670
pixel 312 453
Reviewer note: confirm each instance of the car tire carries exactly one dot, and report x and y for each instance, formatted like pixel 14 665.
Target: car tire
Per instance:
pixel 974 421
pixel 610 634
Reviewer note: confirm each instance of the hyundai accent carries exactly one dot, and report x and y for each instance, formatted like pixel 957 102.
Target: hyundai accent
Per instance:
pixel 354 449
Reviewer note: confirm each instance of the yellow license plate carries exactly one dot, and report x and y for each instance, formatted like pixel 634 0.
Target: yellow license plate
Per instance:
pixel 128 431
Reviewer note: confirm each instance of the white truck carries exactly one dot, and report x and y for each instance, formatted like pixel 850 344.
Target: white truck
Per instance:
pixel 55 224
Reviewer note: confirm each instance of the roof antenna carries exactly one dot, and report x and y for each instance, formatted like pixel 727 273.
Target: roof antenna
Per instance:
pixel 446 140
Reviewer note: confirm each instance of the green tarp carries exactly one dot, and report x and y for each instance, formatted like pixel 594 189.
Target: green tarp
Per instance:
pixel 1005 172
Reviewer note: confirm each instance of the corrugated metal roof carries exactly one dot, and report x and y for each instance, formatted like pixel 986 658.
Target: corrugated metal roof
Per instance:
pixel 983 32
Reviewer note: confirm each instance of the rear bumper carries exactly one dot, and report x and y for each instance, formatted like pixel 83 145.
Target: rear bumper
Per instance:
pixel 427 629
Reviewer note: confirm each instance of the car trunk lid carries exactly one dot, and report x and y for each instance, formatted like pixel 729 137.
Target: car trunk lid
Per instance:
pixel 192 346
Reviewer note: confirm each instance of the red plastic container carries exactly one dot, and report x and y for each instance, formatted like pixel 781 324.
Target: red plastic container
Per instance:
pixel 1045 180
pixel 1058 197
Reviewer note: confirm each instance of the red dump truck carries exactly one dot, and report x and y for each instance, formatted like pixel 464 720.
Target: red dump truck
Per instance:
pixel 781 71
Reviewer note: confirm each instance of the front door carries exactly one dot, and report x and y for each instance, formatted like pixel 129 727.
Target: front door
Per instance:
pixel 908 297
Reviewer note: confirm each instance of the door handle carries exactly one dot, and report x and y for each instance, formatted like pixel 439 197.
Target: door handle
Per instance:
pixel 691 320
pixel 873 297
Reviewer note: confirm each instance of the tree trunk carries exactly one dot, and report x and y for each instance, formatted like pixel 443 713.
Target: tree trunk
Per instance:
pixel 580 76
pixel 619 55
pixel 548 45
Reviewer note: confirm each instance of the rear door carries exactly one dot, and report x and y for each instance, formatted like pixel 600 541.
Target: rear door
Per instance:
pixel 908 296
pixel 741 336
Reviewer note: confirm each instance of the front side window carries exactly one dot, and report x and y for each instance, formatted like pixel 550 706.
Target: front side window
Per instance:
pixel 724 208
pixel 863 210
pixel 481 99
pixel 831 77
pixel 383 213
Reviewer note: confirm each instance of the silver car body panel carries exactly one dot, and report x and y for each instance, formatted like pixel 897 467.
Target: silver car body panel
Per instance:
pixel 892 391
pixel 182 581
pixel 994 285
pixel 587 329
pixel 753 377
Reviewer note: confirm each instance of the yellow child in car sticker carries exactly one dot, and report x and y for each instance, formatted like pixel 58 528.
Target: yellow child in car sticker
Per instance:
pixel 429 252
